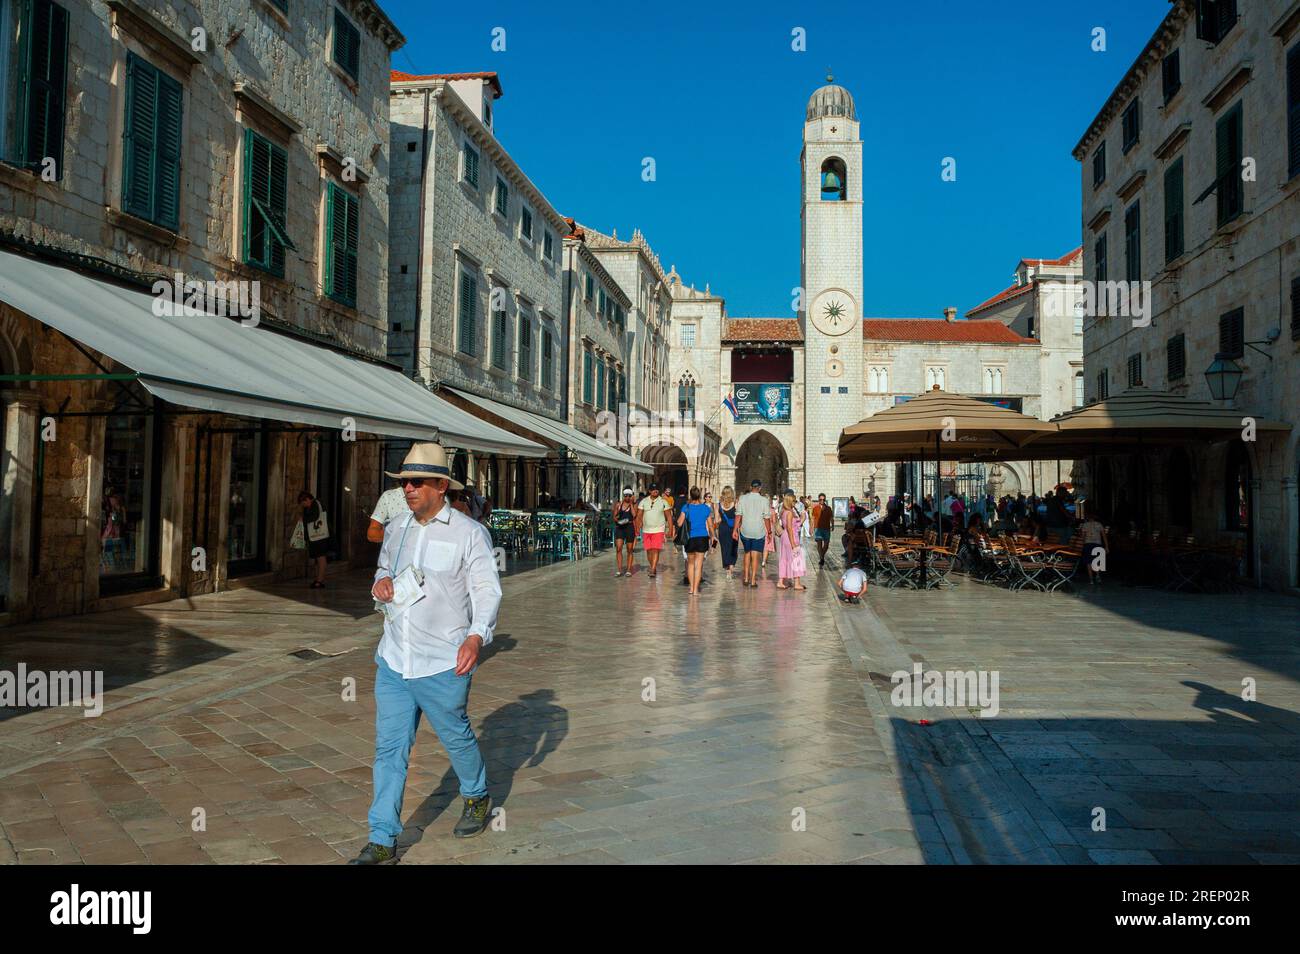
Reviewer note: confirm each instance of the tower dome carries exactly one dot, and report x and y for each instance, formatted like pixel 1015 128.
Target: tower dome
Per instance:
pixel 831 100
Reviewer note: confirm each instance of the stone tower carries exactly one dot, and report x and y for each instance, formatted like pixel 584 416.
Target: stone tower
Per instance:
pixel 831 311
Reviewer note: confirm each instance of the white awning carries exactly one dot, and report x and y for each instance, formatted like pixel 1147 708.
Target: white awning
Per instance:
pixel 221 365
pixel 587 448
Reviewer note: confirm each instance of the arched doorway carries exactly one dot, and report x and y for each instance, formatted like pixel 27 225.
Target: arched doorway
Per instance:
pixel 669 462
pixel 762 457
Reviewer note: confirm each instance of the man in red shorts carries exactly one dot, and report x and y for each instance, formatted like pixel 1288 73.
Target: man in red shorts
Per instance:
pixel 653 516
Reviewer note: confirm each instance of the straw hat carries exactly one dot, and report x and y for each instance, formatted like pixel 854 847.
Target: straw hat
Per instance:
pixel 427 460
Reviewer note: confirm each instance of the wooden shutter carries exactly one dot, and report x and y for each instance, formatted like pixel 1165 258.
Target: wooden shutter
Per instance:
pixel 468 311
pixel 42 84
pixel 342 226
pixel 1133 243
pixel 1231 333
pixel 347 44
pixel 525 347
pixel 1293 110
pixel 169 138
pixel 266 174
pixel 1295 307
pixel 1176 358
pixel 1174 210
pixel 586 377
pixel 138 179
pixel 1227 164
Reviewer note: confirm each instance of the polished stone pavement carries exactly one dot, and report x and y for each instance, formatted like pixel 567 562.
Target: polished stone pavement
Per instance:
pixel 770 712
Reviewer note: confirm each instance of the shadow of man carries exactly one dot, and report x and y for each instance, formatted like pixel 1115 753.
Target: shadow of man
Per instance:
pixel 1222 704
pixel 520 734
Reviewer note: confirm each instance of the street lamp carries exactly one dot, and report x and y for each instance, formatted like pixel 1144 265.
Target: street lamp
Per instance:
pixel 1224 377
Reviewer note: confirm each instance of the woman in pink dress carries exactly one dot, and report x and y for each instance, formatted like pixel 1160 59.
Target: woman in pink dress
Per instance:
pixel 792 563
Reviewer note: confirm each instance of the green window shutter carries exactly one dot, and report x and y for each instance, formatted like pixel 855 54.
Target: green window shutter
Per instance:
pixel 347 45
pixel 343 228
pixel 1227 165
pixel 500 338
pixel 548 367
pixel 471 165
pixel 586 377
pixel 266 174
pixel 525 348
pixel 468 312
pixel 170 136
pixel 42 84
pixel 1133 243
pixel 139 183
pixel 1099 259
pixel 1174 211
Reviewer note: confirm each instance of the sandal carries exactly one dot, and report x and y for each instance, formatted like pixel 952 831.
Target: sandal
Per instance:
pixel 317 585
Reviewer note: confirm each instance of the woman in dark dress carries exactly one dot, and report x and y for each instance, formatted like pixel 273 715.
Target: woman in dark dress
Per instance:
pixel 316 549
pixel 726 522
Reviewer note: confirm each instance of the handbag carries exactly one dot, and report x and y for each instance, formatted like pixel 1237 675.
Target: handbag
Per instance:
pixel 318 529
pixel 298 541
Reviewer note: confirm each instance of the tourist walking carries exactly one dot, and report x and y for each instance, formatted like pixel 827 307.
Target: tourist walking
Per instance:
pixel 390 505
pixel 725 528
pixel 823 521
pixel 790 558
pixel 653 514
pixel 769 542
pixel 753 520
pixel 696 520
pixel 316 534
pixel 438 583
pixel 624 532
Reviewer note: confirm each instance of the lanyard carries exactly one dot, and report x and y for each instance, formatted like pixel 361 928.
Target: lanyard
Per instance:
pixel 401 545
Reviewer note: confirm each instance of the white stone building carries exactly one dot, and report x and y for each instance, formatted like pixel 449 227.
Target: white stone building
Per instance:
pixel 1190 177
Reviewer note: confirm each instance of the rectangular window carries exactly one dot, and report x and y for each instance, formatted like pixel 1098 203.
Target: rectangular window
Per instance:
pixel 1176 358
pixel 1293 110
pixel 470 159
pixel 1099 258
pixel 586 377
pixel 526 223
pixel 1174 210
pixel 151 144
pixel 1227 165
pixel 40 90
pixel 1134 370
pixel 548 246
pixel 1232 335
pixel 342 228
pixel 468 312
pixel 500 339
pixel 548 360
pixel 591 285
pixel 1171 80
pixel 347 45
pixel 525 347
pixel 688 336
pixel 600 384
pixel 1133 243
pixel 600 303
pixel 1131 124
pixel 1078 389
pixel 503 198
pixel 1214 18
pixel 1103 384
pixel 266 196
pixel 1099 165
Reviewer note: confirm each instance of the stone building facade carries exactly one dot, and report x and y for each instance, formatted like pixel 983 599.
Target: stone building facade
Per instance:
pixel 476 290
pixel 134 164
pixel 1190 177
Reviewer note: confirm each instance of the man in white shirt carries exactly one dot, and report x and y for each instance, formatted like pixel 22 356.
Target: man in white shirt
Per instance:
pixel 437 572
pixel 753 524
pixel 391 503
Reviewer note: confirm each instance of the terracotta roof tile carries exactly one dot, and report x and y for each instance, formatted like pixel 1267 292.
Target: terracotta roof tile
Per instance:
pixel 762 329
pixel 397 76
pixel 1069 258
pixel 1013 291
pixel 937 329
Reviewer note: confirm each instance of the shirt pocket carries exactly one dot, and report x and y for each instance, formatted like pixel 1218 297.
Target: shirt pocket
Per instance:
pixel 440 556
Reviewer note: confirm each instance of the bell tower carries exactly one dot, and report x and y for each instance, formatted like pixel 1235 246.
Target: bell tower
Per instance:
pixel 831 278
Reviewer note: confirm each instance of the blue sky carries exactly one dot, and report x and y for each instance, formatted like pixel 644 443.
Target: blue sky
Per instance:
pixel 716 95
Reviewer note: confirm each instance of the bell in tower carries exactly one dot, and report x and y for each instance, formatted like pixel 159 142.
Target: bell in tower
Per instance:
pixel 833 180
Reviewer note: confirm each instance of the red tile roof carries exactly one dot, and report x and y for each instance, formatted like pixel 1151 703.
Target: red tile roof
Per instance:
pixel 1069 258
pixel 762 329
pixel 937 329
pixel 397 76
pixel 1013 291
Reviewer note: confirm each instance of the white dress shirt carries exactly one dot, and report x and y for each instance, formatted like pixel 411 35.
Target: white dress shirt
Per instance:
pixel 462 591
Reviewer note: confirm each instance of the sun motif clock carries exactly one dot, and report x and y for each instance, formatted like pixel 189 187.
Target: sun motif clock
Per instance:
pixel 832 313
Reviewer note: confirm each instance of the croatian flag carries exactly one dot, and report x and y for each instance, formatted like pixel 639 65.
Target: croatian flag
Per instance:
pixel 730 405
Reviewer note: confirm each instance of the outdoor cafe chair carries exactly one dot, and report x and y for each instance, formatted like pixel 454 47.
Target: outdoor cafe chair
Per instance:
pixel 899 566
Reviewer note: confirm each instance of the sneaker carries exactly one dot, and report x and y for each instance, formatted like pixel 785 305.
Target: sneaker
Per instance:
pixel 376 854
pixel 475 817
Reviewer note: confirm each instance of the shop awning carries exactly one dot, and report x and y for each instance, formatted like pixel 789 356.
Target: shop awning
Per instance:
pixel 584 446
pixel 218 364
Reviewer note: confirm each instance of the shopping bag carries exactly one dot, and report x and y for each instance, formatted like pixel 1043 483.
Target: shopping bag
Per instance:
pixel 319 528
pixel 298 540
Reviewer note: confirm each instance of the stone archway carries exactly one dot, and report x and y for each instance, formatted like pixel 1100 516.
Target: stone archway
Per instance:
pixel 670 467
pixel 761 456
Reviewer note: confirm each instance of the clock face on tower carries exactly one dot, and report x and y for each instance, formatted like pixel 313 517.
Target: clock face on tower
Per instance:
pixel 833 313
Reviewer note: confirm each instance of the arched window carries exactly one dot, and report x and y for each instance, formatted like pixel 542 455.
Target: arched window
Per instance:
pixel 835 183
pixel 1078 389
pixel 878 380
pixel 686 397
pixel 934 378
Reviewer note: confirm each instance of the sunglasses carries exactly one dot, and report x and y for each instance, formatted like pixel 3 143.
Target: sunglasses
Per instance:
pixel 416 482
